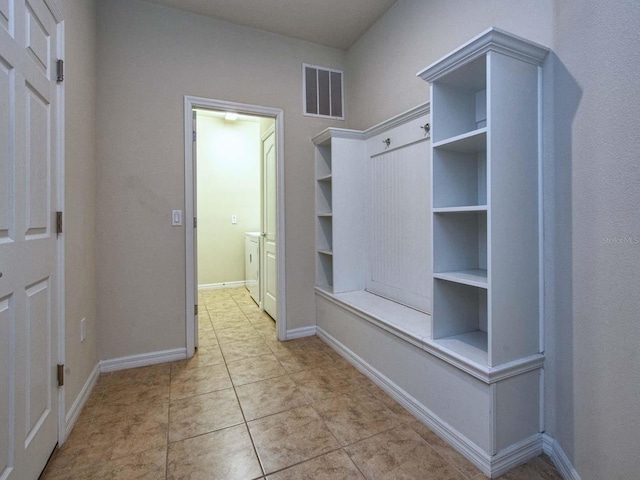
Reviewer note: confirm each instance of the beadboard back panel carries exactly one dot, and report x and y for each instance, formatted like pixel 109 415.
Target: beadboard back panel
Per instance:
pixel 398 206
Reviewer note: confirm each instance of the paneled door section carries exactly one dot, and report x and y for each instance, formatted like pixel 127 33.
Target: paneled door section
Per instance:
pixel 269 263
pixel 28 240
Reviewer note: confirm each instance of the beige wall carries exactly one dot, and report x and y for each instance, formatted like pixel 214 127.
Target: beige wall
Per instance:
pixel 150 57
pixel 80 192
pixel 228 184
pixel 381 66
pixel 596 324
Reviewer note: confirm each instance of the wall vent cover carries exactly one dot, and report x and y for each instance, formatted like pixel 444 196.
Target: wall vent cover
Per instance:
pixel 322 91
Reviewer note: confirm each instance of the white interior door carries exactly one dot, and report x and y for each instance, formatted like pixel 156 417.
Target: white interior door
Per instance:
pixel 28 243
pixel 269 271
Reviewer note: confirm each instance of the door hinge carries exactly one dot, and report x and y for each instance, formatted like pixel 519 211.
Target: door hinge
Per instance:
pixel 60 71
pixel 194 135
pixel 195 222
pixel 58 223
pixel 195 309
pixel 60 374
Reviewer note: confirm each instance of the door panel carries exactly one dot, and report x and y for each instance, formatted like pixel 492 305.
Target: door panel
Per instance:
pixel 37 371
pixel 28 242
pixel 6 94
pixel 38 163
pixel 7 392
pixel 270 270
pixel 4 13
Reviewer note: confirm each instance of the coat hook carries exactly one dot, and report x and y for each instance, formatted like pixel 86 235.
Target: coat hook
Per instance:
pixel 387 142
pixel 427 129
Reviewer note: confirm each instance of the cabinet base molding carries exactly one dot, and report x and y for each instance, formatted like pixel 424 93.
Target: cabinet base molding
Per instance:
pixel 491 466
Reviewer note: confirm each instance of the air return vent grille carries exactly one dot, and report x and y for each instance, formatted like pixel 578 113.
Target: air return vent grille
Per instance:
pixel 322 92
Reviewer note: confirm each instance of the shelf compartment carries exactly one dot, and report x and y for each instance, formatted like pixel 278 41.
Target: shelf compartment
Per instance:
pixel 462 178
pixel 474 278
pixel 460 311
pixel 461 241
pixel 472 346
pixel 324 270
pixel 459 102
pixel 323 198
pixel 324 233
pixel 323 160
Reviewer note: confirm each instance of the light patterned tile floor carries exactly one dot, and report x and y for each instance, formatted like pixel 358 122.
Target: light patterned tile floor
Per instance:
pixel 248 407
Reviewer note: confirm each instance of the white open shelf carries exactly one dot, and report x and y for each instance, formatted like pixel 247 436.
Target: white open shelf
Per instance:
pixel 469 142
pixel 472 346
pixel 462 209
pixel 475 277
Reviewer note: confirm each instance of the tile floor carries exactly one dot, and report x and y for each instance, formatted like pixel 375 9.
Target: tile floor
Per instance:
pixel 248 407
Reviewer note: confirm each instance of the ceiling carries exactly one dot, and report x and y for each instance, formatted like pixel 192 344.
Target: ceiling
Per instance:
pixel 334 23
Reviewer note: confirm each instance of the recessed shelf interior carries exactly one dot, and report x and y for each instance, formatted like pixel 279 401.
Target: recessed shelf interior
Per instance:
pixel 324 270
pixel 323 198
pixel 323 160
pixel 459 100
pixel 462 178
pixel 458 309
pixel 324 233
pixel 460 240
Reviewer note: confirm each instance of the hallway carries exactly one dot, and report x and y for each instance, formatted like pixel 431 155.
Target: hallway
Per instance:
pixel 249 407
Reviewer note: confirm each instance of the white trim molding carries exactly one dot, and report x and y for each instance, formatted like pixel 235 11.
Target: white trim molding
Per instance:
pixel 552 448
pixel 142 360
pixel 218 286
pixel 80 401
pixel 191 103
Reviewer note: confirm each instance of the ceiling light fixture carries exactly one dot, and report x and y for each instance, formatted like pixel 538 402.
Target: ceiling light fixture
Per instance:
pixel 231 116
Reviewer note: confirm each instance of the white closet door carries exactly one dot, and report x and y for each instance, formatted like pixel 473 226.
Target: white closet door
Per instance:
pixel 398 209
pixel 28 241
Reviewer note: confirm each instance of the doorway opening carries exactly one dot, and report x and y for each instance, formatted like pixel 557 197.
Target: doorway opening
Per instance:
pixel 233 179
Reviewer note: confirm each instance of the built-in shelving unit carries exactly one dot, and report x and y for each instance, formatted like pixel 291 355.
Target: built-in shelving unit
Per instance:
pixel 469 363
pixel 339 206
pixel 485 186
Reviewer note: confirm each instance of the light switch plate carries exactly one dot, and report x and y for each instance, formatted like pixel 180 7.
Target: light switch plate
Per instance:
pixel 176 218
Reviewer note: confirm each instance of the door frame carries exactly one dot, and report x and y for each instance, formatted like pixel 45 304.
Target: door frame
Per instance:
pixel 191 102
pixel 64 427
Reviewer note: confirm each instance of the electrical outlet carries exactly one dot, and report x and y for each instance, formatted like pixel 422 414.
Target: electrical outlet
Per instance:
pixel 234 219
pixel 83 329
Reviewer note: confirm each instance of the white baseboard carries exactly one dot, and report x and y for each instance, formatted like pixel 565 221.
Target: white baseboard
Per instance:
pixel 142 360
pixel 300 332
pixel 76 408
pixel 491 466
pixel 218 286
pixel 553 449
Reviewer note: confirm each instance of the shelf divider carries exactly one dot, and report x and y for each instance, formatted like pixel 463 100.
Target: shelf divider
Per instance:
pixel 474 278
